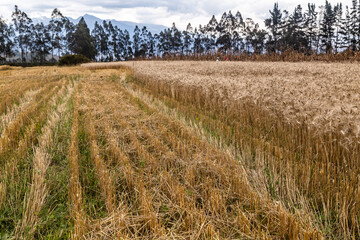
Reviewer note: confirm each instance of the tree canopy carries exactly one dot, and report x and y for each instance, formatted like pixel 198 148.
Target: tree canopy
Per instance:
pixel 81 42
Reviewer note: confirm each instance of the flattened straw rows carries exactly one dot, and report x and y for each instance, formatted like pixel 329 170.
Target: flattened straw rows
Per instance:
pixel 13 91
pixel 116 156
pixel 213 197
pixel 80 222
pixel 211 154
pixel 11 113
pixel 38 191
pixel 11 166
pixel 106 184
pixel 149 225
pixel 9 137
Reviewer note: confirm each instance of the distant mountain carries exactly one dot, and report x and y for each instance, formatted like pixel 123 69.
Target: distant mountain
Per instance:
pixel 90 21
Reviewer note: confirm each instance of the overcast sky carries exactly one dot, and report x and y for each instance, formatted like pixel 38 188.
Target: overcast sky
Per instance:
pixel 158 12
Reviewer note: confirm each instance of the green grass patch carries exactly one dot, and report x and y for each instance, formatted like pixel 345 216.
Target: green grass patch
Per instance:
pixel 56 222
pixel 94 204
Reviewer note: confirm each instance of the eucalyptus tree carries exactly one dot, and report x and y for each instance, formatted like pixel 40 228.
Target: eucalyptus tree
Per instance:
pixel 327 28
pixel 6 42
pixel 57 31
pixel 274 24
pixel 22 24
pixel 310 25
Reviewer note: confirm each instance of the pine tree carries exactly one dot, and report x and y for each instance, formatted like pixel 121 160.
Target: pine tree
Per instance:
pixel 115 41
pixel 221 27
pixel 107 42
pixel 81 42
pixel 211 32
pixel 198 40
pixel 230 23
pixel 212 26
pixel 225 29
pixel 239 22
pixel 69 29
pixel 224 42
pixel 164 45
pixel 120 44
pixel 255 37
pixel 97 34
pixel 239 33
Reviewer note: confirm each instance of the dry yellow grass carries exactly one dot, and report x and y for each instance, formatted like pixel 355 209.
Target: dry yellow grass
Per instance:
pixel 4 67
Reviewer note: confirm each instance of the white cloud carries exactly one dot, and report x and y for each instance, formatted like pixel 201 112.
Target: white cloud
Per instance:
pixel 158 12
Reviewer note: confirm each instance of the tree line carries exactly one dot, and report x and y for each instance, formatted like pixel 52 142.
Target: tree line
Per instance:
pixel 325 29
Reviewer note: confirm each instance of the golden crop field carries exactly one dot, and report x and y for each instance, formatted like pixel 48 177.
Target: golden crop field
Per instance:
pixel 180 150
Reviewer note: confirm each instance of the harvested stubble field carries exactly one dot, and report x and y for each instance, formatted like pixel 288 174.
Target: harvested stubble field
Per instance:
pixel 180 150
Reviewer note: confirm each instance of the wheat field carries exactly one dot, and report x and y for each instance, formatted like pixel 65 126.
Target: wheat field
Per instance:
pixel 180 150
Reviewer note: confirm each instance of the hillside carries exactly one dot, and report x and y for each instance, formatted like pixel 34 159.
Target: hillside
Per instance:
pixel 90 20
